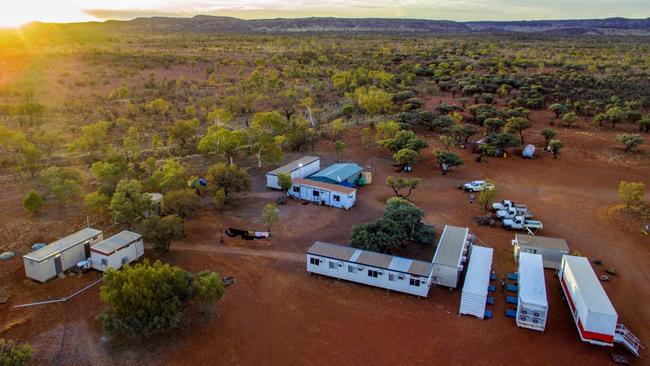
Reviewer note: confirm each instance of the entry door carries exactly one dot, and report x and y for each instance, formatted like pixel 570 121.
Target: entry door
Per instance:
pixel 87 249
pixel 58 266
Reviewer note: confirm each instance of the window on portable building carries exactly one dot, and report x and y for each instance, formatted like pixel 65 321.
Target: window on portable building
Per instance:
pixel 414 282
pixel 314 261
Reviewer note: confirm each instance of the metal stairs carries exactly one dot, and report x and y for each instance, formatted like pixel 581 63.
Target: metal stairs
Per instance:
pixel 626 338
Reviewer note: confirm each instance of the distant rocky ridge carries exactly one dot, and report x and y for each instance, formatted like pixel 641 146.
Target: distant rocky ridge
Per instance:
pixel 216 24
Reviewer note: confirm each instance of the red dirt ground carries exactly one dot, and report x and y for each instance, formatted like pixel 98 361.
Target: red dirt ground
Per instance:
pixel 277 313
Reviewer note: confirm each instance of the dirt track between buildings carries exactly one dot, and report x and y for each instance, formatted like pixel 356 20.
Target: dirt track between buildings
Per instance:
pixel 277 313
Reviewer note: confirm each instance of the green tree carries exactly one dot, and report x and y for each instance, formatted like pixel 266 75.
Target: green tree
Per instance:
pixel 161 231
pixel 92 142
pixel 380 235
pixel 222 141
pixel 569 118
pixel 264 147
pixel 558 109
pixel 97 203
pixel 629 140
pixel 366 139
pixel 171 176
pixel 284 181
pixel 373 100
pixel 229 179
pixel 209 289
pixel 615 115
pixel 446 140
pixel 220 117
pixel 405 157
pixel 181 134
pixel 487 196
pixel 493 125
pixel 386 130
pixel 270 123
pixel 62 183
pixel 644 124
pixel 631 193
pixel 518 125
pixel 447 160
pixel 554 146
pixel 129 202
pixel 404 139
pixel 339 147
pixel 397 184
pixel 270 216
pixel 33 202
pixel 548 134
pixel 15 354
pixel 108 174
pixel 502 141
pixel 182 202
pixel 405 214
pixel 144 300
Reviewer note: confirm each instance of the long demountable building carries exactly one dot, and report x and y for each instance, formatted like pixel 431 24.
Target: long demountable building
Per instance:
pixel 551 249
pixel 450 256
pixel 346 174
pixel 323 193
pixel 477 280
pixel 300 168
pixel 532 304
pixel 61 255
pixel 592 311
pixel 116 251
pixel 375 269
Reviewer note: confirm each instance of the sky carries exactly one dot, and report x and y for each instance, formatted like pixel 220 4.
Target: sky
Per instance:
pixel 18 12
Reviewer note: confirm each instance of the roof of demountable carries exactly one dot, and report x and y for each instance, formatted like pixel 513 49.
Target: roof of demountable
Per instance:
pixel 450 247
pixel 532 286
pixel 115 242
pixel 369 258
pixel 62 244
pixel 296 164
pixel 542 242
pixel 477 278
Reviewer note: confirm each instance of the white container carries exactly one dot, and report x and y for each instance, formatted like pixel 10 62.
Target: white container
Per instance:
pixel 592 311
pixel 477 280
pixel 532 304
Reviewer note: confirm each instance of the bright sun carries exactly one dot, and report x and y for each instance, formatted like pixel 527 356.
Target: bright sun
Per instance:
pixel 14 13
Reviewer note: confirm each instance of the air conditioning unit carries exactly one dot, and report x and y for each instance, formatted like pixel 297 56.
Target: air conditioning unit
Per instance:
pixel 340 264
pixel 401 277
pixel 360 268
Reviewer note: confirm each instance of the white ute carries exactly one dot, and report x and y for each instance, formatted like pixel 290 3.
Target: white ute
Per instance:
pixel 477 186
pixel 506 204
pixel 520 223
pixel 512 212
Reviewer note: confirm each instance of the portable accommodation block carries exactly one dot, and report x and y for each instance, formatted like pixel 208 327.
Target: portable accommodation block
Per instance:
pixel 346 174
pixel 592 311
pixel 477 280
pixel 450 256
pixel 61 255
pixel 551 249
pixel 370 268
pixel 532 304
pixel 300 168
pixel 116 251
pixel 323 193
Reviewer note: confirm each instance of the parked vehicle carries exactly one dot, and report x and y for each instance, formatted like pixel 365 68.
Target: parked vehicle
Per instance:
pixel 506 204
pixel 512 212
pixel 520 223
pixel 477 186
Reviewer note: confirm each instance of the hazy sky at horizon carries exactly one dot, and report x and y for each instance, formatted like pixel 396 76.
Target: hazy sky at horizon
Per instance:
pixel 17 12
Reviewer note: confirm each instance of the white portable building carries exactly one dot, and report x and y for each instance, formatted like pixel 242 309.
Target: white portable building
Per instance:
pixel 300 168
pixel 477 281
pixel 450 256
pixel 323 193
pixel 592 311
pixel 532 304
pixel 370 268
pixel 116 251
pixel 61 255
pixel 551 249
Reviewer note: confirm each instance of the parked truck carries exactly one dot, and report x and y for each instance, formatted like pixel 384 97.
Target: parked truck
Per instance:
pixel 512 212
pixel 520 223
pixel 506 204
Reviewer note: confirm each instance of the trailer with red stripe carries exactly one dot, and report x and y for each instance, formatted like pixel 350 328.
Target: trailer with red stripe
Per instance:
pixel 593 312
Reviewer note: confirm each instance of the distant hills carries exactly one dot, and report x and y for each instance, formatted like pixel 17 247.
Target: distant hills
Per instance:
pixel 216 24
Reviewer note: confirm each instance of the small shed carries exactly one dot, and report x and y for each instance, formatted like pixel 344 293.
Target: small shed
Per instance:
pixel 346 174
pixel 370 268
pixel 477 280
pixel 323 193
pixel 156 204
pixel 61 255
pixel 450 256
pixel 532 304
pixel 116 251
pixel 300 168
pixel 551 249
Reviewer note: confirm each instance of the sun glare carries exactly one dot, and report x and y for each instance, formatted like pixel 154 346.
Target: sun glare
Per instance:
pixel 17 13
